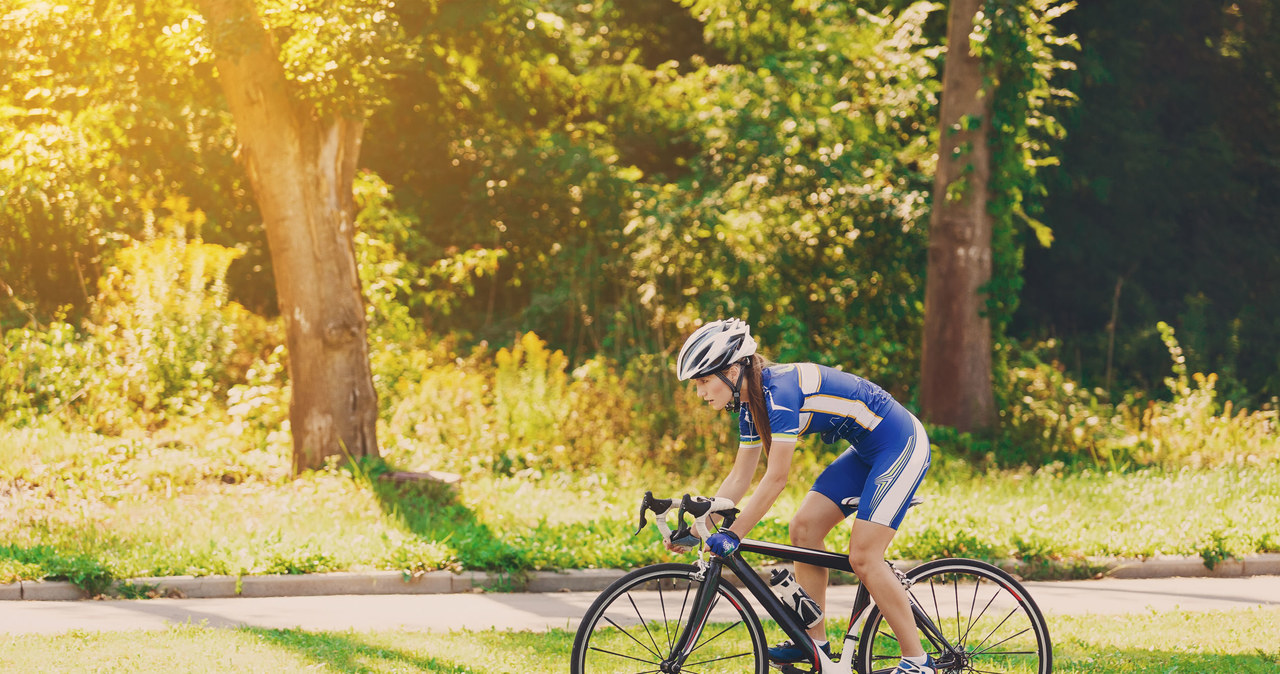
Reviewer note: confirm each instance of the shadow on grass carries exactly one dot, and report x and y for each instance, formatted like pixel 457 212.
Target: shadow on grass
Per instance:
pixel 347 653
pixel 433 512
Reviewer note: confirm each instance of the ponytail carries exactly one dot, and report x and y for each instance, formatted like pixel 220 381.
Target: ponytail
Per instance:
pixel 753 391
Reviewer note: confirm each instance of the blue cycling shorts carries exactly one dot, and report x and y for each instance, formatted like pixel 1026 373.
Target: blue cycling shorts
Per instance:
pixel 884 469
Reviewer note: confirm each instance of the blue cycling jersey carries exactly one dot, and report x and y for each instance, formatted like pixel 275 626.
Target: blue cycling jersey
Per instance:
pixel 807 398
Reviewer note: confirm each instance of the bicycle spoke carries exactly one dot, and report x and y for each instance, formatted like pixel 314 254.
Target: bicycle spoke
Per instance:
pixel 623 630
pixel 1012 636
pixel 680 618
pixel 717 636
pixel 625 657
pixel 997 654
pixel 937 610
pixel 666 622
pixel 955 582
pixel 993 630
pixel 645 624
pixel 973 603
pixel 984 611
pixel 996 630
pixel 611 643
pixel 707 662
pixel 888 634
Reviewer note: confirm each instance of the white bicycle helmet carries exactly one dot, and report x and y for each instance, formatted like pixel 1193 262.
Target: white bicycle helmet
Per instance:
pixel 714 347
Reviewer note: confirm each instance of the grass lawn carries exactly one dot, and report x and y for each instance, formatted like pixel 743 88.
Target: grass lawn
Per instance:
pixel 1234 642
pixel 90 508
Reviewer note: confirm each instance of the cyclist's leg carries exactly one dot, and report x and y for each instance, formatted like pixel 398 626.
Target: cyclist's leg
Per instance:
pixel 867 545
pixel 815 518
pixel 825 504
pixel 899 453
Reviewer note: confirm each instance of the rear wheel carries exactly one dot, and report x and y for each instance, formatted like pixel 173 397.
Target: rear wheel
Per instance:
pixel 991 622
pixel 634 624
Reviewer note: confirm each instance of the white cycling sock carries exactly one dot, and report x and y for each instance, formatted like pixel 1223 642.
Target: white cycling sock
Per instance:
pixel 917 660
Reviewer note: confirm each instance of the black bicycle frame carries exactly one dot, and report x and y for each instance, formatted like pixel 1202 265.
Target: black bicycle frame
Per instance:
pixel 704 601
pixel 785 617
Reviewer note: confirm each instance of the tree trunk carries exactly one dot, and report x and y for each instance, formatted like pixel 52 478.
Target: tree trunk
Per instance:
pixel 955 382
pixel 302 169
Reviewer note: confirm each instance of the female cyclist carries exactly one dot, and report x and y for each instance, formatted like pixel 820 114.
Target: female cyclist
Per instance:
pixel 886 460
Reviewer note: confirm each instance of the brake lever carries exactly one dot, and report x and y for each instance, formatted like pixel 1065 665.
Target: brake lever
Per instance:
pixel 695 505
pixel 644 505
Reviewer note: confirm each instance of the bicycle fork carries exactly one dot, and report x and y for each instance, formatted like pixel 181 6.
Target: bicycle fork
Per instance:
pixel 703 603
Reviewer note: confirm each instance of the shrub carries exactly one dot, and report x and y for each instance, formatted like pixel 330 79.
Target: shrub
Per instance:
pixel 161 341
pixel 522 411
pixel 163 322
pixel 1046 417
pixel 46 372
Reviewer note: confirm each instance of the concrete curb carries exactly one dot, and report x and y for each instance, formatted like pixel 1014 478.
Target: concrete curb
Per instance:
pixel 1167 567
pixel 582 580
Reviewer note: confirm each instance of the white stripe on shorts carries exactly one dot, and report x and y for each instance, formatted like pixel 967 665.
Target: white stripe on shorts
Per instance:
pixel 902 478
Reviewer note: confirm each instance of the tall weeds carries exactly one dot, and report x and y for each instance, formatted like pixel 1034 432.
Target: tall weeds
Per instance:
pixel 1047 417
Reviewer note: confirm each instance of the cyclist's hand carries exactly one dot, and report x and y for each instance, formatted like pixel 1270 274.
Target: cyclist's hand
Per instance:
pixel 724 543
pixel 684 543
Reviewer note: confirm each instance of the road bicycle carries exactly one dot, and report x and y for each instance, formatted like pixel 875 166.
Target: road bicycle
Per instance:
pixel 678 618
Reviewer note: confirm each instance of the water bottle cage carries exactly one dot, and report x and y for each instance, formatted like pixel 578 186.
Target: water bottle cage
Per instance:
pixel 785 586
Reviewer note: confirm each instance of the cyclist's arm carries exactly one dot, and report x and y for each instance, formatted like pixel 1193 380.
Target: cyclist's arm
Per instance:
pixel 735 485
pixel 771 485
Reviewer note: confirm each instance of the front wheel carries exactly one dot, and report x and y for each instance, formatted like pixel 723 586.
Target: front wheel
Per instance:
pixel 988 618
pixel 634 624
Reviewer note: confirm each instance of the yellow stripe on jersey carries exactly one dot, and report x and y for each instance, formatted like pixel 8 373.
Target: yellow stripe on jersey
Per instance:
pixel 843 407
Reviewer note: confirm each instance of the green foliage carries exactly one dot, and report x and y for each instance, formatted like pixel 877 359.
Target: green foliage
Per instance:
pixel 1045 416
pixel 167 325
pixel 161 339
pixel 1163 215
pixel 258 408
pixel 630 193
pixel 1021 50
pixel 45 371
pixel 801 206
pixel 52 563
pixel 521 411
pixel 100 121
pixel 339 53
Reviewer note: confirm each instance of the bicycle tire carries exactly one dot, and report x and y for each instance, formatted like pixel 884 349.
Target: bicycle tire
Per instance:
pixel 983 611
pixel 625 631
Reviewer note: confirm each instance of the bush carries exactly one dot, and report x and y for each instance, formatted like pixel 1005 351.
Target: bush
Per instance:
pixel 1047 417
pixel 161 341
pixel 522 411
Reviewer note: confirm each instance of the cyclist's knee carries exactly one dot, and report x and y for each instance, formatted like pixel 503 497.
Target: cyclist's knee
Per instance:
pixel 861 560
pixel 806 532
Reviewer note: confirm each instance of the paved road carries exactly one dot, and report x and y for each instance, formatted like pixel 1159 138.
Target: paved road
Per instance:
pixel 543 611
